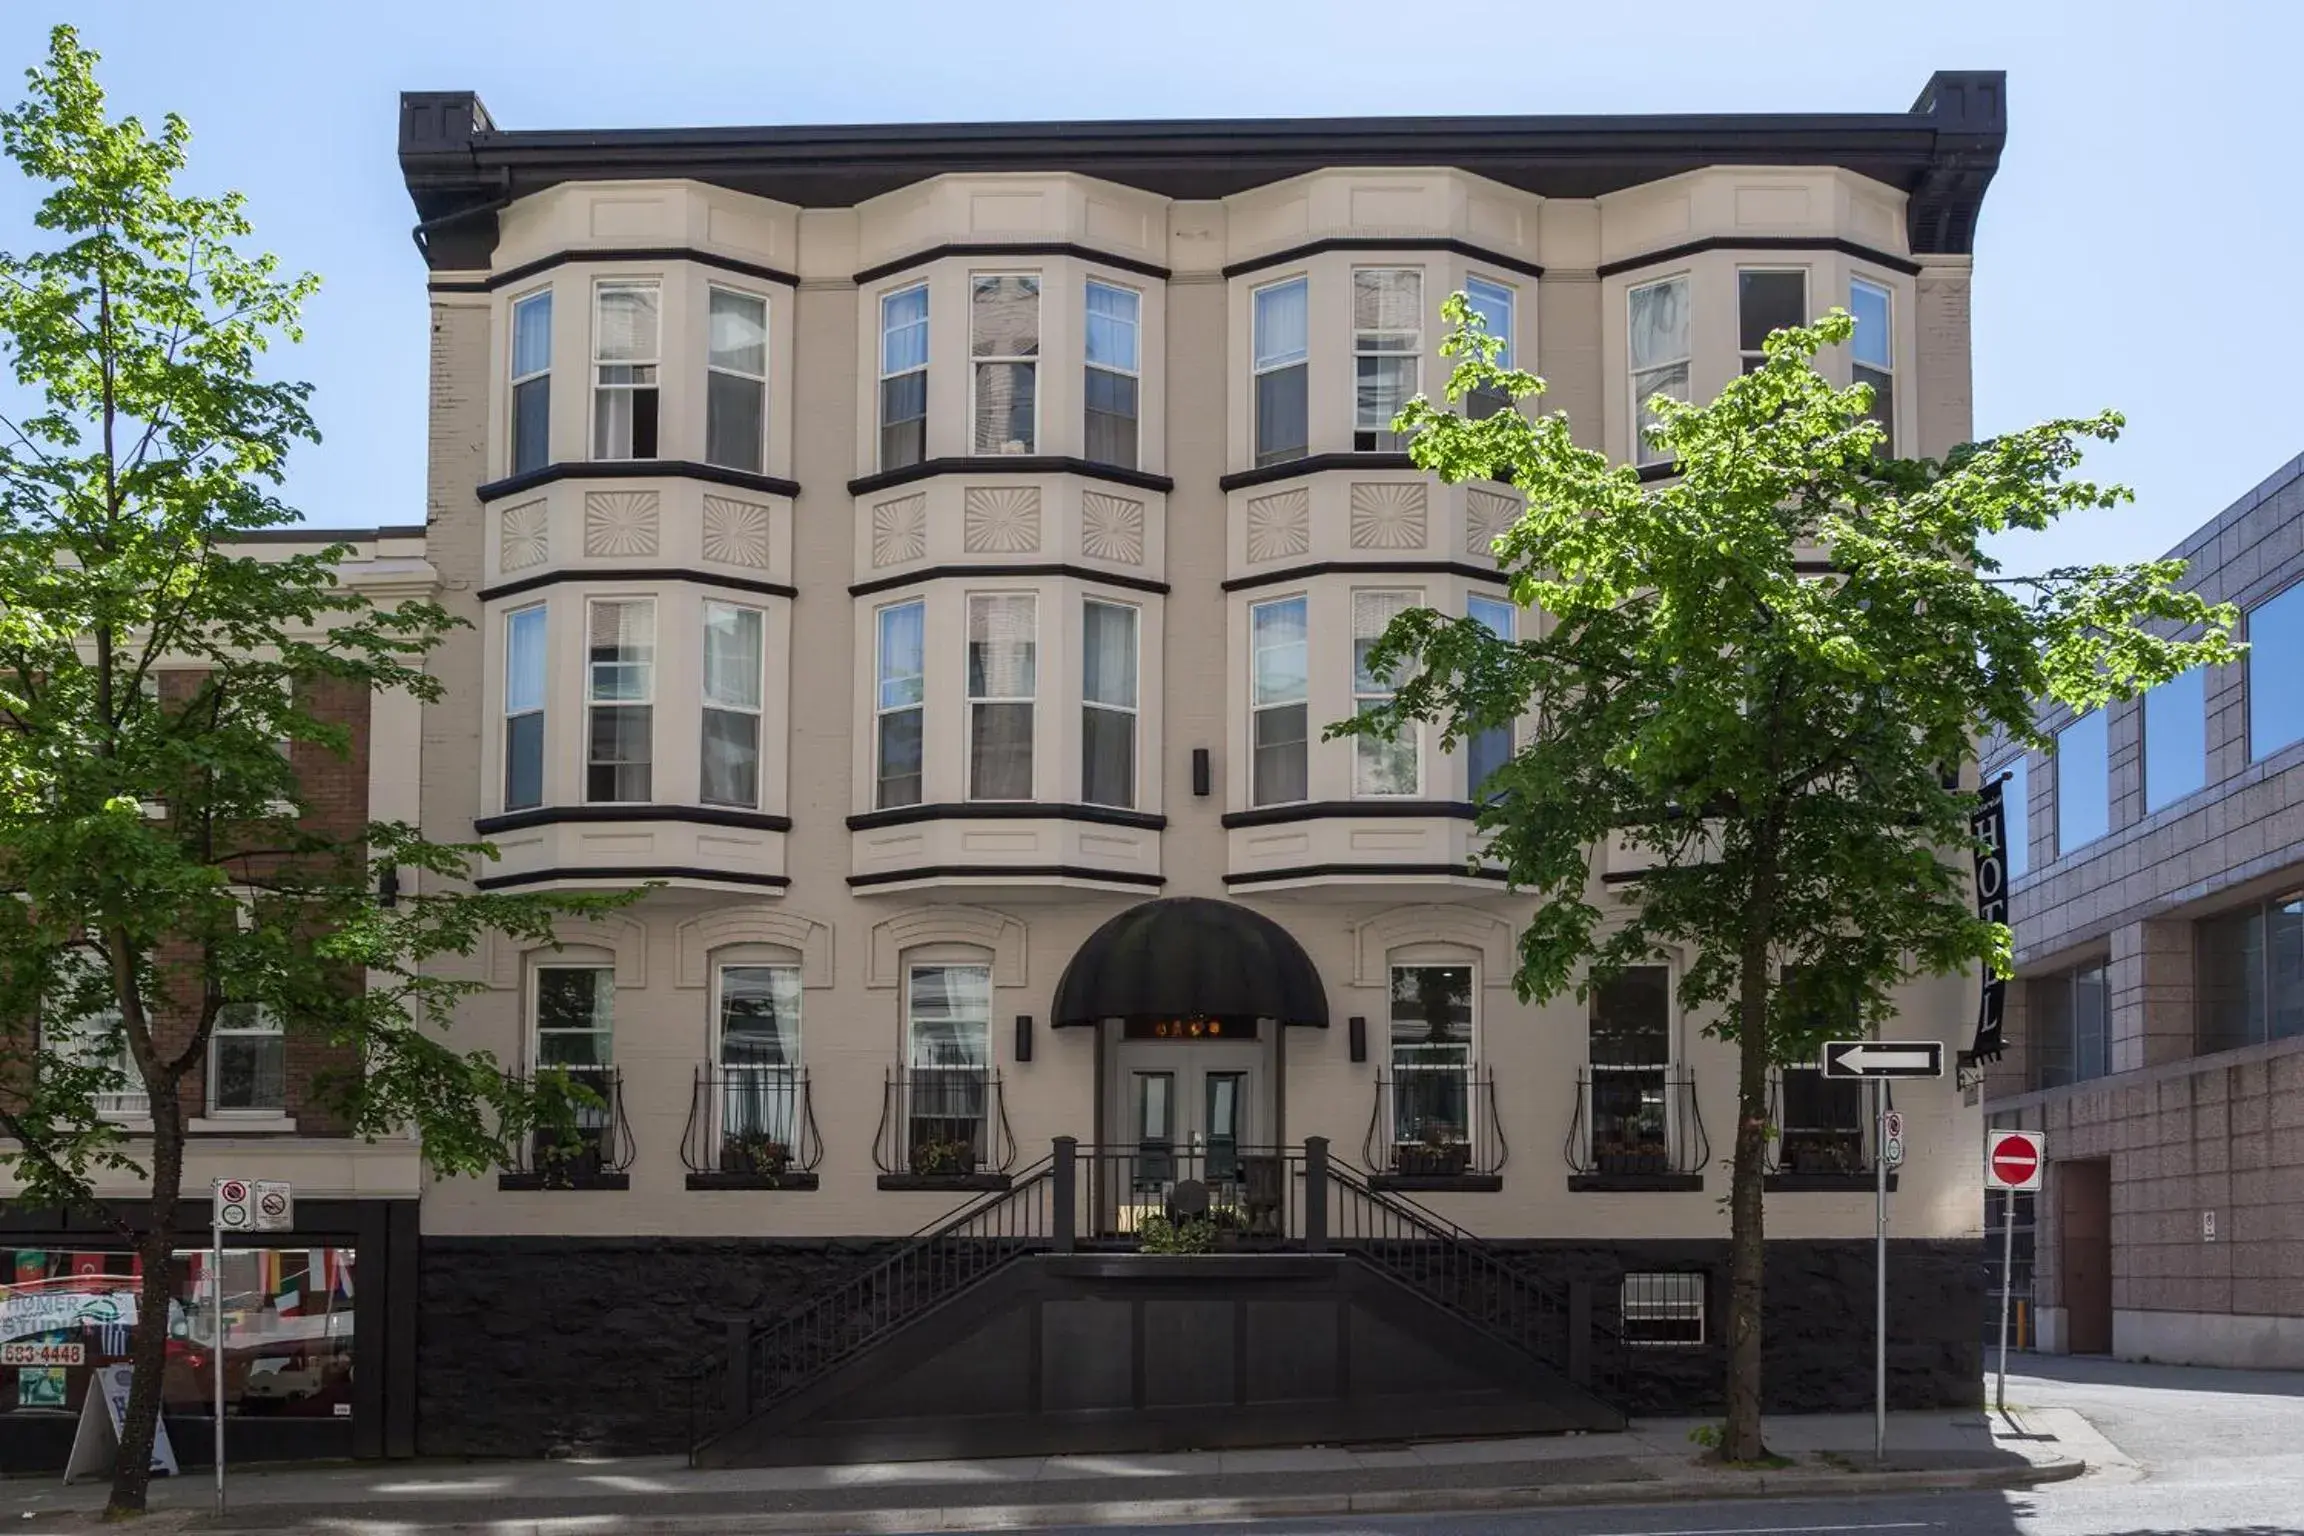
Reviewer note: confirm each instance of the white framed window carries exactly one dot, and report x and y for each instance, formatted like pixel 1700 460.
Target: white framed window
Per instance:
pixel 730 756
pixel 948 1046
pixel 1002 684
pixel 97 1039
pixel 1387 352
pixel 1494 303
pixel 627 341
pixel 1629 1052
pixel 1108 703
pixel 1872 351
pixel 1114 374
pixel 247 1062
pixel 524 655
pixel 904 377
pixel 1658 349
pixel 531 414
pixel 620 693
pixel 575 1033
pixel 1380 766
pixel 1432 1054
pixel 1004 349
pixel 757 1045
pixel 899 699
pixel 1768 299
pixel 1662 1308
pixel 1279 702
pixel 1490 749
pixel 736 381
pixel 1282 367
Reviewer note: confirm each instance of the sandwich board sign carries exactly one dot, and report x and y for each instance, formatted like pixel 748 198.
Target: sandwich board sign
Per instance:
pixel 103 1418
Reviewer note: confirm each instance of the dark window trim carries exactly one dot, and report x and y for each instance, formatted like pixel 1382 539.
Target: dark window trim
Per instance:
pixel 1296 573
pixel 656 574
pixel 558 1182
pixel 1899 264
pixel 1311 464
pixel 1002 872
pixel 785 1181
pixel 1009 464
pixel 1006 810
pixel 1314 810
pixel 543 264
pixel 635 469
pixel 957 1181
pixel 1495 258
pixel 1634 1183
pixel 1316 871
pixel 632 872
pixel 1135 264
pixel 704 815
pixel 1651 473
pixel 1460 1183
pixel 950 572
pixel 1823 1183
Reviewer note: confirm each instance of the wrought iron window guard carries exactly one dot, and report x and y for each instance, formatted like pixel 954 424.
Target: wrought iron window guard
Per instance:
pixel 1637 1125
pixel 1436 1126
pixel 942 1127
pixel 1838 1149
pixel 751 1127
pixel 595 1153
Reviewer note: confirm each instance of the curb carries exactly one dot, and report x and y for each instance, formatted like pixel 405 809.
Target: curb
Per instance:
pixel 1035 1516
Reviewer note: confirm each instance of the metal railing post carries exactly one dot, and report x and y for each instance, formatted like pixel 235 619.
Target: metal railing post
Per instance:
pixel 1316 1194
pixel 1064 1182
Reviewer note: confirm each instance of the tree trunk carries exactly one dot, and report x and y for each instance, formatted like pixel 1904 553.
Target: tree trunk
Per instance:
pixel 1740 1438
pixel 132 1475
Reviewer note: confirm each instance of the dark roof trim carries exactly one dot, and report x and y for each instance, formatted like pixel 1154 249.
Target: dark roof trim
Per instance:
pixel 622 872
pixel 1877 257
pixel 992 248
pixel 1942 153
pixel 321 535
pixel 1311 464
pixel 701 815
pixel 1009 464
pixel 1320 871
pixel 1005 872
pixel 1316 810
pixel 1006 810
pixel 951 572
pixel 656 573
pixel 636 469
pixel 1296 253
pixel 1296 573
pixel 543 264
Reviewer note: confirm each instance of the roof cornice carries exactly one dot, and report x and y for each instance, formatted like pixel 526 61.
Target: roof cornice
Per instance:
pixel 460 167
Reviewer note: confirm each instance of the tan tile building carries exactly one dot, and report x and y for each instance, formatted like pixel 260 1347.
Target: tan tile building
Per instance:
pixel 2157 1025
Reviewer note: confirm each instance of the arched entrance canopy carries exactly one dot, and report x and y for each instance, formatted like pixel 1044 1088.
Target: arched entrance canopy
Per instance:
pixel 1191 957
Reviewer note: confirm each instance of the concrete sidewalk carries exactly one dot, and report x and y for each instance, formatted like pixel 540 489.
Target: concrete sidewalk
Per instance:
pixel 1653 1462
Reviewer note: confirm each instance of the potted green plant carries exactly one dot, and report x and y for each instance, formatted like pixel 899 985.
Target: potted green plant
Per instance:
pixel 1437 1153
pixel 754 1152
pixel 940 1157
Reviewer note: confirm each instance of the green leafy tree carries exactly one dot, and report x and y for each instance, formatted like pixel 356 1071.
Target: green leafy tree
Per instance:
pixel 1781 736
pixel 160 862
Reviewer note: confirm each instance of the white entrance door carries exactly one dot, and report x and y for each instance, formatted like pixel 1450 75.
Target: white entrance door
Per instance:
pixel 1183 1111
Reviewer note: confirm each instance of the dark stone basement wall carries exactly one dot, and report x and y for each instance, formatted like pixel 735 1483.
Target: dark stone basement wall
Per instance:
pixel 563 1346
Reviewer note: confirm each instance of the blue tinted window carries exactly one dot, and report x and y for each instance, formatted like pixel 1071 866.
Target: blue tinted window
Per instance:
pixel 2015 808
pixel 2175 739
pixel 1490 749
pixel 2083 783
pixel 2275 684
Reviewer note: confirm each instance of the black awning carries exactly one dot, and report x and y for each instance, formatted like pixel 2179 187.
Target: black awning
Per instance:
pixel 1190 957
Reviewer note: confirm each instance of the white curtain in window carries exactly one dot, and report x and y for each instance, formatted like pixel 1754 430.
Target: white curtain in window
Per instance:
pixel 951 1015
pixel 1660 323
pixel 1282 324
pixel 532 335
pixel 1112 327
pixel 1387 299
pixel 1109 638
pixel 739 338
pixel 904 331
pixel 524 660
pixel 627 325
pixel 902 654
pixel 731 656
pixel 1000 646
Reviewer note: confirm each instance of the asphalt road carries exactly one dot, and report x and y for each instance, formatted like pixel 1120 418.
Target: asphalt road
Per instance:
pixel 2217 1453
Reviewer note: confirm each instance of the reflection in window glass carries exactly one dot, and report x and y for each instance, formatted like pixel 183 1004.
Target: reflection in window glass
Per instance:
pixel 1113 375
pixel 1380 765
pixel 1431 1055
pixel 904 377
pixel 1630 1053
pixel 2083 783
pixel 898 700
pixel 1492 302
pixel 2251 974
pixel 1282 335
pixel 2071 1028
pixel 1002 683
pixel 949 1025
pixel 1108 704
pixel 1659 353
pixel 1490 749
pixel 2175 739
pixel 2275 682
pixel 1277 701
pixel 1872 352
pixel 1767 302
pixel 1387 347
pixel 248 1061
pixel 736 381
pixel 1004 342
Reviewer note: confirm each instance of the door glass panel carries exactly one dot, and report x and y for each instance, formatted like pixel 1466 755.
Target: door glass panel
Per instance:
pixel 1155 1129
pixel 1223 1126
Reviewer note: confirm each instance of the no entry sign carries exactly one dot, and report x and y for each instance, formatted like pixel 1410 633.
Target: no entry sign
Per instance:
pixel 2013 1160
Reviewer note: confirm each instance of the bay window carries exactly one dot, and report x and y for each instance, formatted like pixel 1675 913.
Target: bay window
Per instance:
pixel 1872 352
pixel 247 1061
pixel 1108 704
pixel 1766 302
pixel 731 740
pixel 1493 303
pixel 1115 372
pixel 736 381
pixel 1380 765
pixel 524 654
pixel 620 682
pixel 1002 684
pixel 900 693
pixel 1004 346
pixel 904 377
pixel 1659 353
pixel 1387 352
pixel 1279 702
pixel 626 337
pixel 1282 335
pixel 1488 750
pixel 531 382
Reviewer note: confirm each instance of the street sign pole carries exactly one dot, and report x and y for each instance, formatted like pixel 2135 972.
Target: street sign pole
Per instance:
pixel 2007 1284
pixel 1880 1278
pixel 216 1339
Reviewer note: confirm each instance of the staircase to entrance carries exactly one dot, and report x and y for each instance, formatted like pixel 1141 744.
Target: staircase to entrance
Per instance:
pixel 1029 1322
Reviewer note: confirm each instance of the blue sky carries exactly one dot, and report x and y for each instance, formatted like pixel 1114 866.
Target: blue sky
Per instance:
pixel 2138 249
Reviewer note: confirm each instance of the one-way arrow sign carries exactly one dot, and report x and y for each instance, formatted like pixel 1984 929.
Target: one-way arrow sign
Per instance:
pixel 1883 1058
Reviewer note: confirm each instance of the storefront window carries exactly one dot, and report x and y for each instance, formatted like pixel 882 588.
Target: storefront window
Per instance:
pixel 287 1330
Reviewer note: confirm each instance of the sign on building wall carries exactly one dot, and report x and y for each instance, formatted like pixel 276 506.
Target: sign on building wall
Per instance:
pixel 1989 824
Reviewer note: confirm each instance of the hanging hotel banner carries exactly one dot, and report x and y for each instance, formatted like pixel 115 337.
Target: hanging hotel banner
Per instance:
pixel 1990 827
